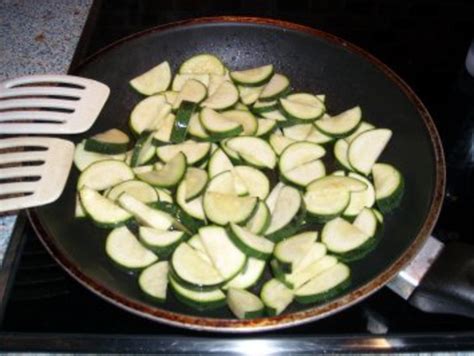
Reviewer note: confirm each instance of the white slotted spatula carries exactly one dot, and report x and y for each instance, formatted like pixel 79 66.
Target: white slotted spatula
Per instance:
pixel 33 170
pixel 50 104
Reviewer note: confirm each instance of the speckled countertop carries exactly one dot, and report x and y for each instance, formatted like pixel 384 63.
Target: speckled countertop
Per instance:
pixel 37 36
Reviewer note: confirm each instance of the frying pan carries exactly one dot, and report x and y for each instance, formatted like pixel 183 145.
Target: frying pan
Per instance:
pixel 316 62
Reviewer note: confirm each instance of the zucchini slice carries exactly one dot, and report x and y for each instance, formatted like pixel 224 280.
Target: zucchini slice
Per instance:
pixel 306 98
pixel 389 186
pixel 316 251
pixel 83 158
pixel 366 148
pixel 265 127
pixel 193 91
pixel 196 181
pixel 225 208
pixel 298 154
pixel 249 276
pixel 276 297
pixel 170 96
pixel 149 113
pixel 169 176
pixel 260 220
pixel 181 79
pixel 144 149
pixel 278 86
pixel 261 107
pixel 288 204
pixel 215 81
pixel 153 280
pixel 124 249
pixel 198 299
pixel 341 237
pixel 161 242
pixel 275 115
pixel 194 207
pixel 217 125
pixel 202 64
pixel 102 175
pixel 378 215
pixel 301 112
pixel 254 151
pixel 224 97
pixel 360 200
pixel 162 134
pixel 144 214
pixel 223 182
pixel 250 244
pixel 253 77
pixel 196 130
pixel 195 152
pixel 292 249
pixel 218 163
pixel 317 136
pixel 340 152
pixel 136 188
pixel 79 211
pixel 305 174
pixel 181 122
pixel 226 257
pixel 318 266
pixel 103 211
pixel 256 183
pixel 112 141
pixel 279 142
pixel 366 222
pixel 244 304
pixel 363 126
pixel 249 95
pixel 153 81
pixel 298 132
pixel 324 285
pixel 245 118
pixel 342 124
pixel 193 270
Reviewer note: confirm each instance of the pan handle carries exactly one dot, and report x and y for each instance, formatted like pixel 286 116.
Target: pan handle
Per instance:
pixel 448 285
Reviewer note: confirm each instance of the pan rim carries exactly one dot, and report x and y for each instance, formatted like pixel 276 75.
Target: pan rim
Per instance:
pixel 286 320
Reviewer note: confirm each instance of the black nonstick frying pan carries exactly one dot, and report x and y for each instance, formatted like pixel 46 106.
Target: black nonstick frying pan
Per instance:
pixel 315 62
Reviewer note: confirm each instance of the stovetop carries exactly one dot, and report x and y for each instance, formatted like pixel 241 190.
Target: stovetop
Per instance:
pixel 425 44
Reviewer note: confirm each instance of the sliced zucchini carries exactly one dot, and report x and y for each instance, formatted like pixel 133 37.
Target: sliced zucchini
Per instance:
pixel 223 182
pixel 240 106
pixel 164 195
pixel 378 215
pixel 137 189
pixel 193 207
pixel 265 127
pixel 193 91
pixel 340 152
pixel 104 174
pixel 324 285
pixel 249 276
pixel 162 134
pixel 225 208
pixel 329 196
pixel 103 211
pixel 170 96
pixel 245 118
pixel 291 250
pixel 217 125
pixel 250 244
pixel 288 204
pixel 144 149
pixel 195 152
pixel 306 98
pixel 161 242
pixel 363 126
pixel 144 214
pixel 193 270
pixel 261 107
pixel 153 280
pixel 83 158
pixel 253 150
pixel 218 163
pixel 79 211
pixel 298 154
pixel 196 243
pixel 234 156
pixel 196 130
pixel 389 186
pixel 276 297
pixel 253 77
pixel 124 249
pixel 226 257
pixel 360 200
pixel 260 220
pixel 153 81
pixel 181 79
pixel 198 299
pixel 298 132
pixel 314 253
pixel 301 112
pixel 110 142
pixel 181 122
pixel 249 95
pixel 215 82
pixel 342 124
pixel 256 183
pixel 196 181
pixel 305 174
pixel 341 237
pixel 273 196
pixel 202 64
pixel 169 176
pixel 278 86
pixel 149 113
pixel 299 278
pixel 366 222
pixel 317 136
pixel 224 97
pixel 244 304
pixel 366 148
pixel 274 115
pixel 279 142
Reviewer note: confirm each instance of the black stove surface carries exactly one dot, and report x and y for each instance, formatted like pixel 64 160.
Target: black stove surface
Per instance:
pixel 424 42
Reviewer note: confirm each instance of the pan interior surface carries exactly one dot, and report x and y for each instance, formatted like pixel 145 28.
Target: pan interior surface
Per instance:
pixel 314 64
